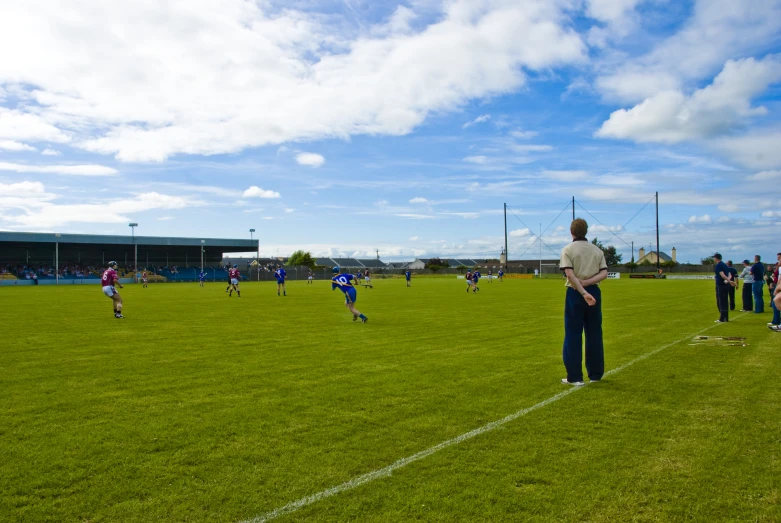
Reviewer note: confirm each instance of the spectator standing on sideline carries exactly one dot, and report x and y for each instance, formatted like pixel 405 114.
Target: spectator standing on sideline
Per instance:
pixel 584 267
pixel 773 287
pixel 777 303
pixel 723 283
pixel 748 280
pixel 733 272
pixel 758 272
pixel 537 273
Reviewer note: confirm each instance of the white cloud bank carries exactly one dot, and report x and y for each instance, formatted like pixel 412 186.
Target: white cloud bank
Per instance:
pixel 129 78
pixel 672 117
pixel 11 145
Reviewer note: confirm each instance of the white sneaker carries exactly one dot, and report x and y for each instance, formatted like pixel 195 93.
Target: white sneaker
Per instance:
pixel 573 383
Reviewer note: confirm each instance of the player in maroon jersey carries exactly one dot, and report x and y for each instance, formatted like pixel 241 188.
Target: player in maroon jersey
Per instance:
pixel 108 280
pixel 234 276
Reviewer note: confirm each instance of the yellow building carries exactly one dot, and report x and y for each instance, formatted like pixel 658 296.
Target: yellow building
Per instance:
pixel 651 256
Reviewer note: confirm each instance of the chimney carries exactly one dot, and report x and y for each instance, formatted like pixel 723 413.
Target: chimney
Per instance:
pixel 673 254
pixel 641 254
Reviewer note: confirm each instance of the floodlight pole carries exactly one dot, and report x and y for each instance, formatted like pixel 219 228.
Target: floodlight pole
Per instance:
pixel 135 250
pixel 657 232
pixel 573 208
pixel 540 238
pixel 506 253
pixel 257 255
pixel 57 262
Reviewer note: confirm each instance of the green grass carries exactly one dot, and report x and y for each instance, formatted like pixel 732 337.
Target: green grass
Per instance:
pixel 198 407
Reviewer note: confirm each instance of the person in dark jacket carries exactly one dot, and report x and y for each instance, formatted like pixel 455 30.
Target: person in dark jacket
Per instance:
pixel 733 272
pixel 758 272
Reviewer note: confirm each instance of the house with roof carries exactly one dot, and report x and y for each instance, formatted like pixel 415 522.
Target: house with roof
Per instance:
pixel 651 257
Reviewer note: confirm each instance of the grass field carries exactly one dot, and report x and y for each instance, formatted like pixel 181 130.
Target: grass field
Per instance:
pixel 197 407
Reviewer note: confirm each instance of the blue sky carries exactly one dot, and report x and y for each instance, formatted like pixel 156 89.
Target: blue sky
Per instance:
pixel 346 126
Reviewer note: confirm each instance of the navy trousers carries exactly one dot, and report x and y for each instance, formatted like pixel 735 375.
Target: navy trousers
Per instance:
pixel 722 301
pixel 759 300
pixel 748 301
pixel 580 318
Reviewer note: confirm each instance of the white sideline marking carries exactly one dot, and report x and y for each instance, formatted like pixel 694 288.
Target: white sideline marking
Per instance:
pixel 387 471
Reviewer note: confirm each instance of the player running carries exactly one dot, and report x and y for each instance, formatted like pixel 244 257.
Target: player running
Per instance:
pixel 475 280
pixel 408 276
pixel 201 278
pixel 501 275
pixel 468 281
pixel 310 278
pixel 280 274
pixel 234 276
pixel 144 279
pixel 343 282
pixel 489 276
pixel 367 278
pixel 108 280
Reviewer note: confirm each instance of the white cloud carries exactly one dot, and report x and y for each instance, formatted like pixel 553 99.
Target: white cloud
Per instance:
pixel 11 145
pixel 520 233
pixel 310 159
pixel 480 119
pixel 723 219
pixel 758 150
pixel 705 218
pixel 25 126
pixel 21 189
pixel 765 175
pixel 289 210
pixel 771 214
pixel 418 200
pixel 50 152
pixel 671 116
pixel 523 135
pixel 413 238
pixel 618 17
pixel 36 210
pixel 129 78
pixel 257 192
pixel 729 207
pixel 565 176
pixel 415 216
pixel 71 170
pixel 531 148
pixel 165 218
pixel 717 30
pixel 476 159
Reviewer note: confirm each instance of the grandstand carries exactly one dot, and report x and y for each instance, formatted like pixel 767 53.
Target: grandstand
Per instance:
pixel 420 263
pixel 352 263
pixel 71 258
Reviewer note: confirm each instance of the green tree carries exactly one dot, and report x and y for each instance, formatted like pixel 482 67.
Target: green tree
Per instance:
pixel 434 264
pixel 611 255
pixel 707 261
pixel 462 268
pixel 301 258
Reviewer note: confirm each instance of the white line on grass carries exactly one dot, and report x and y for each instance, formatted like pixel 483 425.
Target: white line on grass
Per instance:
pixel 387 471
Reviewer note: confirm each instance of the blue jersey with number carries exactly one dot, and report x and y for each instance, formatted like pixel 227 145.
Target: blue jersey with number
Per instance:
pixel 201 275
pixel 343 282
pixel 280 274
pixel 408 274
pixel 501 273
pixel 475 276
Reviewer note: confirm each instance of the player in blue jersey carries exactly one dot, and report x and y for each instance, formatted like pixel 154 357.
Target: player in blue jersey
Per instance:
pixel 343 282
pixel 408 276
pixel 201 277
pixel 475 281
pixel 280 274
pixel 501 274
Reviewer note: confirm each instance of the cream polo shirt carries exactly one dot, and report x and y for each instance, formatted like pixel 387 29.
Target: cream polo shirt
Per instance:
pixel 584 258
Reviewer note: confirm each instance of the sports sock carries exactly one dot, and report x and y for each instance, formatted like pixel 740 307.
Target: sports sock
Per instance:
pixel 362 316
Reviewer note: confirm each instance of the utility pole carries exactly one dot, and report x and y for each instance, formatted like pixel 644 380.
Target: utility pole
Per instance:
pixel 506 252
pixel 573 208
pixel 540 240
pixel 135 250
pixel 657 232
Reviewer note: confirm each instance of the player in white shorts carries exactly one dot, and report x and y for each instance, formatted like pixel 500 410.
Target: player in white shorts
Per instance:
pixel 108 280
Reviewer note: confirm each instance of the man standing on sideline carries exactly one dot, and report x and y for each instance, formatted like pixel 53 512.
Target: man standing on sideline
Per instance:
pixel 773 288
pixel 723 283
pixel 584 267
pixel 758 272
pixel 748 280
pixel 733 272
